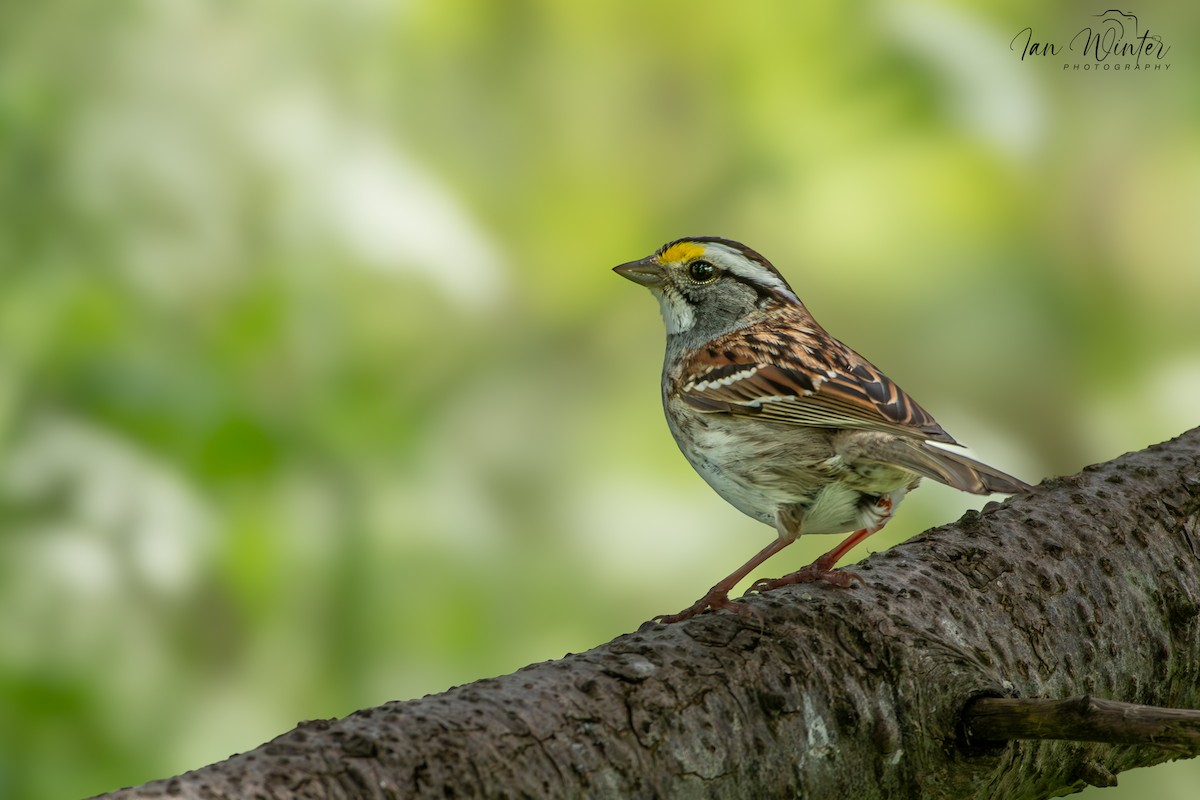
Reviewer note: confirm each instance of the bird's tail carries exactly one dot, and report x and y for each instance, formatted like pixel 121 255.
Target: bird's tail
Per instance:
pixel 955 469
pixel 936 463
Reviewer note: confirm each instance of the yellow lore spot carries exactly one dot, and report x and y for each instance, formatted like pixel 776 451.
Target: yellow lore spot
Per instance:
pixel 681 252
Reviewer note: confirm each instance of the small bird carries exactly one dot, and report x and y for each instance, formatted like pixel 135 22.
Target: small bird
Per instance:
pixel 786 423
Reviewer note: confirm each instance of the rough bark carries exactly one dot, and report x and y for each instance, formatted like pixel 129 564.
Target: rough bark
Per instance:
pixel 1088 586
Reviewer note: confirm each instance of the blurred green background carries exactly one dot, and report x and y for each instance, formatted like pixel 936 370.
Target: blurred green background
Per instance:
pixel 316 390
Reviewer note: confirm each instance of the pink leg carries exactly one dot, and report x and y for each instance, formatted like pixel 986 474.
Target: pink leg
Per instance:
pixel 718 596
pixel 822 568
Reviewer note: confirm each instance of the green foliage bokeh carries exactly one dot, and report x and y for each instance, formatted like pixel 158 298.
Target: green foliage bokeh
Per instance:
pixel 316 390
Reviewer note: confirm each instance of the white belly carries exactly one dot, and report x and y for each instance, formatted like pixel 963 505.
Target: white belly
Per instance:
pixel 785 466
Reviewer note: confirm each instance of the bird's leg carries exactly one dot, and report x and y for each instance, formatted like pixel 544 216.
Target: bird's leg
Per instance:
pixel 822 569
pixel 718 596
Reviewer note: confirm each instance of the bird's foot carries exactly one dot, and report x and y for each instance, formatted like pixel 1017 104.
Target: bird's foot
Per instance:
pixel 810 574
pixel 716 599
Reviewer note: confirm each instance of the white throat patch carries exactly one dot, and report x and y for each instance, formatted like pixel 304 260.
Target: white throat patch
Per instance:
pixel 678 314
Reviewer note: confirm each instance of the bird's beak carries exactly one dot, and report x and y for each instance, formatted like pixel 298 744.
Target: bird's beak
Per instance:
pixel 646 272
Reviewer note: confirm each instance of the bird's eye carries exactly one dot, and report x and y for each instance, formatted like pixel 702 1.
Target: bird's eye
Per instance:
pixel 702 271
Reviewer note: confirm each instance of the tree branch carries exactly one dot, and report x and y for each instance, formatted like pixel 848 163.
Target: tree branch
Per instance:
pixel 1083 719
pixel 1089 585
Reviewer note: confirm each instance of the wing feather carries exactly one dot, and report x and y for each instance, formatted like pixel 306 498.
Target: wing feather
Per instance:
pixel 797 374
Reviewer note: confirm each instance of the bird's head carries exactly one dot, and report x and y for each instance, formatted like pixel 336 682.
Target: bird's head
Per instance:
pixel 708 282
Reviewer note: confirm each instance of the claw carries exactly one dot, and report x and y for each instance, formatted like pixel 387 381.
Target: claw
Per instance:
pixel 716 599
pixel 810 574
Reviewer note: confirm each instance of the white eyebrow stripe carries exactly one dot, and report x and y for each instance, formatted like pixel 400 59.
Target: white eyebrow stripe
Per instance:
pixel 739 265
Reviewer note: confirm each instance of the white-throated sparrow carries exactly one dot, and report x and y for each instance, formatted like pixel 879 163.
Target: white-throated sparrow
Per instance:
pixel 785 422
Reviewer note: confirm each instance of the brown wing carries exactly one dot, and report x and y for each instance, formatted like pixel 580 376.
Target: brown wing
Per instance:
pixel 798 374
